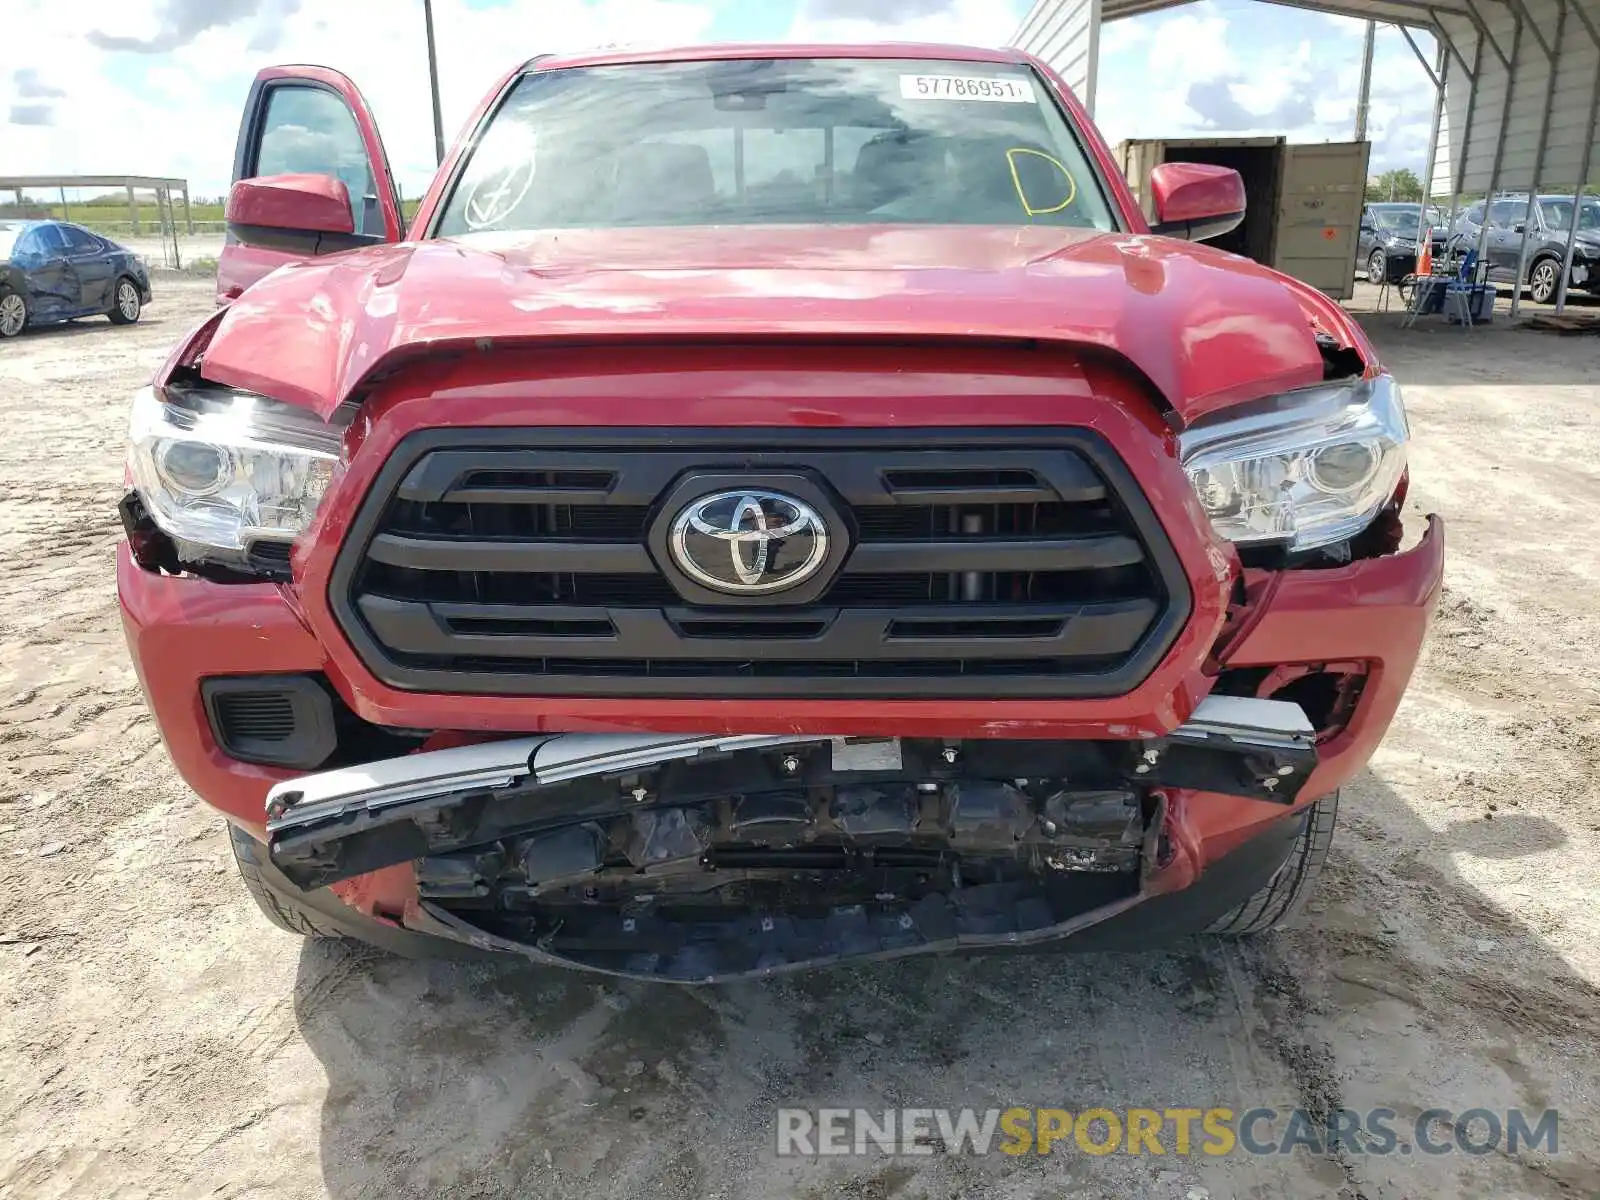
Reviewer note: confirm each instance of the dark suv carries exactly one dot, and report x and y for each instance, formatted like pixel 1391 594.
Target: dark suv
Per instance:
pixel 1547 241
pixel 1387 247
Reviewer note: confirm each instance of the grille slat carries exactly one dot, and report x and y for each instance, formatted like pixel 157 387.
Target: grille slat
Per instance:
pixel 473 555
pixel 968 485
pixel 994 554
pixel 630 522
pixel 1015 564
pixel 865 634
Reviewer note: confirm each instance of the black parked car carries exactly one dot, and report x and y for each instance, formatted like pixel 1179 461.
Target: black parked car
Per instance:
pixel 1387 247
pixel 1547 241
pixel 52 271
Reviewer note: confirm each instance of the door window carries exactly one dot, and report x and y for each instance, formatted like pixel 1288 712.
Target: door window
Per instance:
pixel 1558 214
pixel 48 242
pixel 79 241
pixel 308 130
pixel 1505 213
pixel 1474 215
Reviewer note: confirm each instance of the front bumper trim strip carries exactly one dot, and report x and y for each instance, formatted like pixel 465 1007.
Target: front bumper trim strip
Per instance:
pixel 1239 722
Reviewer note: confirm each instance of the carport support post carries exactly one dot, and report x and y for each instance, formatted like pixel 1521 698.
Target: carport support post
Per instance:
pixel 1466 132
pixel 1553 58
pixel 1441 75
pixel 1364 97
pixel 1500 139
pixel 133 209
pixel 66 213
pixel 1583 173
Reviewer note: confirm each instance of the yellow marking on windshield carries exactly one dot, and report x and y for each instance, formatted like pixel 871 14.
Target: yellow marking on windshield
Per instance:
pixel 1022 195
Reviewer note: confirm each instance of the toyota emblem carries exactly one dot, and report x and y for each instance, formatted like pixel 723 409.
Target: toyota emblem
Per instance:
pixel 749 542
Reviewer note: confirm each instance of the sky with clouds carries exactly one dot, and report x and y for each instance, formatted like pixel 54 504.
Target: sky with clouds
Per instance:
pixel 155 87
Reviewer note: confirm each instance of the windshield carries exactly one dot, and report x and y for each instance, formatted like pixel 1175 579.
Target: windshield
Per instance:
pixel 1558 213
pixel 1400 220
pixel 777 141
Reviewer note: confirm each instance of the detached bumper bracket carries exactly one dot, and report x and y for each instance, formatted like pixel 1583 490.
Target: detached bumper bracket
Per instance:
pixel 1236 745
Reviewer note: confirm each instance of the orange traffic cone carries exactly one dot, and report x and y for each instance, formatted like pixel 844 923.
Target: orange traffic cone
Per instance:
pixel 1425 258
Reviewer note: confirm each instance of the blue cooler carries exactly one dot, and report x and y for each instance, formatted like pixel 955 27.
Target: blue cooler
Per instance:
pixel 1480 304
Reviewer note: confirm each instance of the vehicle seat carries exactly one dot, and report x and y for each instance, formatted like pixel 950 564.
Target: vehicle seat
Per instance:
pixel 662 182
pixel 890 167
pixel 988 194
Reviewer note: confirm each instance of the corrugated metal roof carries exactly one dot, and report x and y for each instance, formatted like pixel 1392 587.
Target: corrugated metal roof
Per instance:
pixel 1398 12
pixel 1522 78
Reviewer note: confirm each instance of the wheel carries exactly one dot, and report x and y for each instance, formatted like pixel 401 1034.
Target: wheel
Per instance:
pixel 13 313
pixel 1280 900
pixel 278 908
pixel 1543 280
pixel 1377 267
pixel 125 306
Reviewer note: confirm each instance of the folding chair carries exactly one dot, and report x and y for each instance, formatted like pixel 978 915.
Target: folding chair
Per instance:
pixel 1461 291
pixel 1458 288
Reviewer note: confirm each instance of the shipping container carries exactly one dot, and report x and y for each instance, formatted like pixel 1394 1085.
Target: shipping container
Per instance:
pixel 1302 202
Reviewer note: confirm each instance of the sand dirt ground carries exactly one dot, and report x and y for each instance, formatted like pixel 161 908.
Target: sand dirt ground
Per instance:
pixel 158 1038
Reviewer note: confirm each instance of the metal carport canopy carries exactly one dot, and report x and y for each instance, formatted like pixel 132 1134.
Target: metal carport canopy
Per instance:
pixel 1519 80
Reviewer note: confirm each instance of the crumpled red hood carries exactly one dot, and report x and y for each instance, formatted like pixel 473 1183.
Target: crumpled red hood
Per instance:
pixel 1206 328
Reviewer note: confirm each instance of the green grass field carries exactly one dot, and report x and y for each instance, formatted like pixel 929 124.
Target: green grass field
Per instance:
pixel 106 212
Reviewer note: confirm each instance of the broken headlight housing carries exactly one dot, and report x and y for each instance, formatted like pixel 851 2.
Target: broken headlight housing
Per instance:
pixel 1301 470
pixel 220 469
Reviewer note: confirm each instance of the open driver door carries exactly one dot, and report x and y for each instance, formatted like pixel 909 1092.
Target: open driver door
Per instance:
pixel 310 162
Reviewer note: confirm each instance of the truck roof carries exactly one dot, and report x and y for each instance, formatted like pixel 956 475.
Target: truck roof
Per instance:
pixel 727 50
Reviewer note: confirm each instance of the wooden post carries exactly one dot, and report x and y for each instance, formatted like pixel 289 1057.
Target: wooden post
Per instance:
pixel 170 227
pixel 188 220
pixel 66 213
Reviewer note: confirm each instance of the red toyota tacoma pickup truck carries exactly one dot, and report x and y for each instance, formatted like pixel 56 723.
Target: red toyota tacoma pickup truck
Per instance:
pixel 774 506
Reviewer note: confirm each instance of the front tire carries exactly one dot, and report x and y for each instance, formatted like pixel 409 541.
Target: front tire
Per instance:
pixel 1377 267
pixel 275 906
pixel 13 313
pixel 1543 280
pixel 1283 896
pixel 125 303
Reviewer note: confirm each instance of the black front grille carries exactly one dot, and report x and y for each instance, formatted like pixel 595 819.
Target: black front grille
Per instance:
pixel 979 564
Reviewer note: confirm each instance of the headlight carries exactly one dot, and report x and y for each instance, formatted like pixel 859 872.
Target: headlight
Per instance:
pixel 223 468
pixel 1300 470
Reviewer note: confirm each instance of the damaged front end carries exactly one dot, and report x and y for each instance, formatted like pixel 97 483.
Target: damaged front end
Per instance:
pixel 699 859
